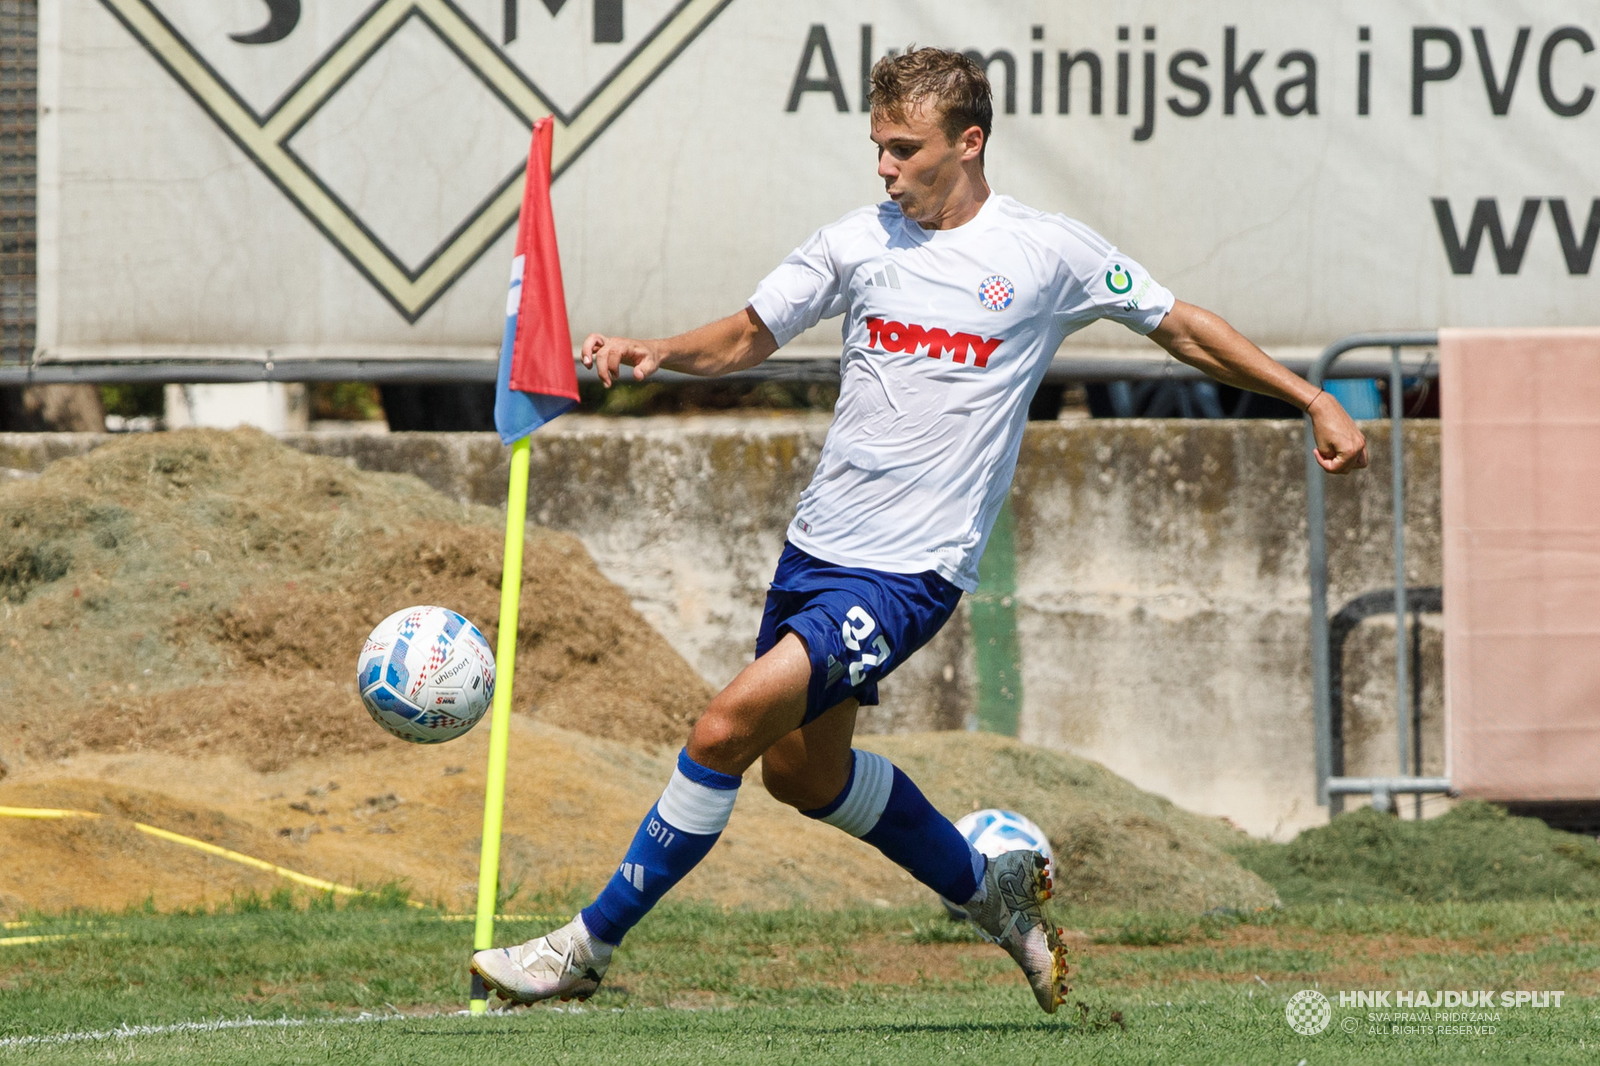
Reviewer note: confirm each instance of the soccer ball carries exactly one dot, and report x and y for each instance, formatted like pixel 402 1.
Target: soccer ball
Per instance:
pixel 994 832
pixel 426 675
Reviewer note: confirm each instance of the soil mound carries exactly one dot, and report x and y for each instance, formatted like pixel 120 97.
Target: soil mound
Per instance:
pixel 182 617
pixel 209 591
pixel 573 801
pixel 1476 852
pixel 106 864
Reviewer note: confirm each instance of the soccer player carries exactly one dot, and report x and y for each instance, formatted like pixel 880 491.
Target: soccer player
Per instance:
pixel 954 299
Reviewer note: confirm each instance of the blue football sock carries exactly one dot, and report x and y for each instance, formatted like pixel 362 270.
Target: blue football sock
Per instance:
pixel 673 838
pixel 880 805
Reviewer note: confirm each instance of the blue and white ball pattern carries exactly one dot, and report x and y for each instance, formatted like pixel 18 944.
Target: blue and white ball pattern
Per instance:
pixel 994 832
pixel 426 675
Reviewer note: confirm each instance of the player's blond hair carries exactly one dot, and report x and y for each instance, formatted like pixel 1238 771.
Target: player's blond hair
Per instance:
pixel 957 86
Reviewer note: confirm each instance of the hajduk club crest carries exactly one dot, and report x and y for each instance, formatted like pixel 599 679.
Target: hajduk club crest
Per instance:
pixel 996 292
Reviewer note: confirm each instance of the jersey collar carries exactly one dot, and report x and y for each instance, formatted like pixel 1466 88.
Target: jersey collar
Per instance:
pixel 977 223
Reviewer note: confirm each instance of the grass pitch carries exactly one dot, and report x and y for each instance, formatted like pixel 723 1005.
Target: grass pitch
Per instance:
pixel 272 982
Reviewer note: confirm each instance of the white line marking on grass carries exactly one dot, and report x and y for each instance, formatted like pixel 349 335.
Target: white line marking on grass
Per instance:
pixel 123 1032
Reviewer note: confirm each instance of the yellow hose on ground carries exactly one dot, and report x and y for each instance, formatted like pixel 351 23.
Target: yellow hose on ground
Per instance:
pixel 199 845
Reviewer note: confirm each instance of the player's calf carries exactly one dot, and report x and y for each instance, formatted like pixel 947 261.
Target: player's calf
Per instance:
pixel 677 833
pixel 883 807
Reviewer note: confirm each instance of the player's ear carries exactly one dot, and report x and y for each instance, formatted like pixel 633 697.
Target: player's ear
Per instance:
pixel 971 143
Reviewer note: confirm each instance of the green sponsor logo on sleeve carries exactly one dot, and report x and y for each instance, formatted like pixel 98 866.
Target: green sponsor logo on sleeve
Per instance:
pixel 1118 279
pixel 1133 301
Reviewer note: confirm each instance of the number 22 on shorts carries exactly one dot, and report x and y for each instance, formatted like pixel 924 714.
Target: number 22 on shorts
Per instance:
pixel 856 628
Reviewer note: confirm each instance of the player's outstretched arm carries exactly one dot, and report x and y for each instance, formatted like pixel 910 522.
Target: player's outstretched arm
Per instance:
pixel 737 342
pixel 1203 340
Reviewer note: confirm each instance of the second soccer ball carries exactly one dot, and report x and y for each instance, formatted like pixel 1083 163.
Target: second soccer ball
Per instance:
pixel 994 832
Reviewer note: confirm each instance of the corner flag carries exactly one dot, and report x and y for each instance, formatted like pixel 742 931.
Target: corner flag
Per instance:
pixel 536 381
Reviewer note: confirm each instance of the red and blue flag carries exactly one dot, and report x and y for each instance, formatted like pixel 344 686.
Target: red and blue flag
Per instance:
pixel 536 380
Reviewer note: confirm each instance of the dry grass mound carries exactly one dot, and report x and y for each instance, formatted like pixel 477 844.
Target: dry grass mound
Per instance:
pixel 106 864
pixel 182 617
pixel 573 802
pixel 209 591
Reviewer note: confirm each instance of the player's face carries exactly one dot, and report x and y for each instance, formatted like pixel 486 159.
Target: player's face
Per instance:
pixel 920 165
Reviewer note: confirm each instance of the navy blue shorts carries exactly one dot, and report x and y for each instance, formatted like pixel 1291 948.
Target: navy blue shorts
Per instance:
pixel 858 625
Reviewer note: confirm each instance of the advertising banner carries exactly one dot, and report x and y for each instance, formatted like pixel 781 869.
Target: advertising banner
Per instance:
pixel 340 178
pixel 1520 437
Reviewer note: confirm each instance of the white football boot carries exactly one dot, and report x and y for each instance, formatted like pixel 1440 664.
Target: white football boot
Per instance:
pixel 1012 915
pixel 568 963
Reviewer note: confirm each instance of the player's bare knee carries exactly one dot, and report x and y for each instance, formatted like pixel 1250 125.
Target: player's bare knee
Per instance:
pixel 717 739
pixel 782 781
pixel 795 784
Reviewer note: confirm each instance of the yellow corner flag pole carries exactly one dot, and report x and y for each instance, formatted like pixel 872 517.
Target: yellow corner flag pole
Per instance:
pixel 500 726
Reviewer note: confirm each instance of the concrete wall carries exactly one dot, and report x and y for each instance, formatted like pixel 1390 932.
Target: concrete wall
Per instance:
pixel 1161 597
pixel 1163 606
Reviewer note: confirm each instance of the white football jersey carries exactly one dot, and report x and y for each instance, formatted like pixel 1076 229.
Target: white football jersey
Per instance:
pixel 947 333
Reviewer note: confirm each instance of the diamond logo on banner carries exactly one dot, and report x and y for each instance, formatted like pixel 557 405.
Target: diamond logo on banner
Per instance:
pixel 291 90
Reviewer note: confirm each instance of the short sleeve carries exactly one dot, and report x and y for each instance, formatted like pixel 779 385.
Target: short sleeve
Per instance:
pixel 1101 282
pixel 1123 291
pixel 801 292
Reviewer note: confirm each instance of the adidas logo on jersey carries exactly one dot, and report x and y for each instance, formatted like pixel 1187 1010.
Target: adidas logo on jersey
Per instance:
pixel 901 337
pixel 633 873
pixel 887 278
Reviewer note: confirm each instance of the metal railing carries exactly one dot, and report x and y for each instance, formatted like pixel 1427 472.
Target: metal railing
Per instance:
pixel 1330 788
pixel 782 367
pixel 378 371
